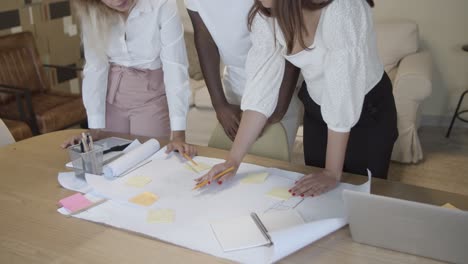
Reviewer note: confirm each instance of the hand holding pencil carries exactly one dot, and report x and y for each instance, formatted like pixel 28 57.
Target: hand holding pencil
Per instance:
pixel 218 174
pixel 186 150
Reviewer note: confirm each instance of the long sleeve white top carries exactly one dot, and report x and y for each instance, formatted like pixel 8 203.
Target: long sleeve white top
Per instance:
pixel 151 38
pixel 340 68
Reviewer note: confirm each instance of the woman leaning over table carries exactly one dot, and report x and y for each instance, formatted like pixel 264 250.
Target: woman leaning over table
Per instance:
pixel 135 78
pixel 350 116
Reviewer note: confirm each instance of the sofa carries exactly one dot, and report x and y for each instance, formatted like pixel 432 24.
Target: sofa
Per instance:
pixel 410 70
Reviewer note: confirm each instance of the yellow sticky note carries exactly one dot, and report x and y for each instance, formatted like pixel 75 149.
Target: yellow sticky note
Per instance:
pixel 255 178
pixel 199 168
pixel 138 181
pixel 449 205
pixel 145 199
pixel 280 193
pixel 160 216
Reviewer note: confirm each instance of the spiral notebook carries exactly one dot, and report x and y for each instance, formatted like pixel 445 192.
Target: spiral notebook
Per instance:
pixel 252 230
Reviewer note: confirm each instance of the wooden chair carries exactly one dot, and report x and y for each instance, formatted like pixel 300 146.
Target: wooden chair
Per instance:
pixel 25 93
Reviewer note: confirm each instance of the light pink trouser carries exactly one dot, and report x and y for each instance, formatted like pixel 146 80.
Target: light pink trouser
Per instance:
pixel 137 103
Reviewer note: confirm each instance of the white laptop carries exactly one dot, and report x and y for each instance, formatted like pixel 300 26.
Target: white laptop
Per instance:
pixel 410 227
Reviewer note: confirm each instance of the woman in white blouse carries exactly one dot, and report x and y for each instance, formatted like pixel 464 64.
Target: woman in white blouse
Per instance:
pixel 350 114
pixel 135 78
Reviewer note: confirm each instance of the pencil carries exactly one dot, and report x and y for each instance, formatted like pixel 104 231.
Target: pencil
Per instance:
pixel 189 159
pixel 217 176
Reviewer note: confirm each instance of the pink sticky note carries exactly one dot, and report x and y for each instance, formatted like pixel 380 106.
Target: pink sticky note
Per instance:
pixel 75 202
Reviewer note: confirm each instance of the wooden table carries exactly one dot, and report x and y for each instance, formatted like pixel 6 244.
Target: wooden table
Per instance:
pixel 31 231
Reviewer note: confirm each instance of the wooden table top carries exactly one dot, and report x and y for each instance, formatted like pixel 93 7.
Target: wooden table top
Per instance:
pixel 31 231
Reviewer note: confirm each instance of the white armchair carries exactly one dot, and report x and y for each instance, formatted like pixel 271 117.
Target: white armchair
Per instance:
pixel 411 75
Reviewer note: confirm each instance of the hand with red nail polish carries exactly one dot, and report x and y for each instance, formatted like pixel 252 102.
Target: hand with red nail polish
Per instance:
pixel 217 169
pixel 316 183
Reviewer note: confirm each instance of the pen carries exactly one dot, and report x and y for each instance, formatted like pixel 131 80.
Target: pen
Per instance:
pixel 90 141
pixel 262 228
pixel 217 176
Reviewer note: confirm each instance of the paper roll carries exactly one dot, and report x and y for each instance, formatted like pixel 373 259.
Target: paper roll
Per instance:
pixel 131 159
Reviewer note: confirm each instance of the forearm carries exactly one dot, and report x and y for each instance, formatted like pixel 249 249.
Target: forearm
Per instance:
pixel 287 88
pixel 336 151
pixel 250 127
pixel 209 57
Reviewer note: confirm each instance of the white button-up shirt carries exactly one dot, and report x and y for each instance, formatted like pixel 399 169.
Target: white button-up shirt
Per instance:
pixel 151 38
pixel 340 68
pixel 226 20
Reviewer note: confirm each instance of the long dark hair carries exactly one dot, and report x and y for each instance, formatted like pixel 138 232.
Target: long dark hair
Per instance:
pixel 289 16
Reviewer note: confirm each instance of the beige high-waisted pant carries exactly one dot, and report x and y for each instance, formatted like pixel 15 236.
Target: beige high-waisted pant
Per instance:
pixel 136 102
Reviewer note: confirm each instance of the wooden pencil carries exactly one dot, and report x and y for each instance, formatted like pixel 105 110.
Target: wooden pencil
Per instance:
pixel 217 176
pixel 189 159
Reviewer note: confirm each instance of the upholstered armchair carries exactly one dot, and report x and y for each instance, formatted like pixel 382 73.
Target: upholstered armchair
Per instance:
pixel 410 70
pixel 25 93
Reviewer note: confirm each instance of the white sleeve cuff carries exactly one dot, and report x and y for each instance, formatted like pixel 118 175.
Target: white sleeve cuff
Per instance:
pixel 178 123
pixel 191 5
pixel 340 129
pixel 97 121
pixel 262 111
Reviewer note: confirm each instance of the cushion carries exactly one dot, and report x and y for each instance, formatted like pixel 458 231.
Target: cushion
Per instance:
pixel 54 111
pixel 396 40
pixel 19 130
pixel 194 64
pixel 202 98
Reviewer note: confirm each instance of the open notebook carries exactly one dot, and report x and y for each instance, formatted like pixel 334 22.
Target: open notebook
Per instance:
pixel 253 230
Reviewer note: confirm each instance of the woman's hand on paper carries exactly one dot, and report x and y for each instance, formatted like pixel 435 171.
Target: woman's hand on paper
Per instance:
pixel 181 147
pixel 217 169
pixel 315 184
pixel 94 133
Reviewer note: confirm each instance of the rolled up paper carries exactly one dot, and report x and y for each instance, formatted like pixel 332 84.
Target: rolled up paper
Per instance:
pixel 131 159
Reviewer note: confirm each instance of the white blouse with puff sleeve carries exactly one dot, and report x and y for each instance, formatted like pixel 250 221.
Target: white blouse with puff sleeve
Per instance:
pixel 151 38
pixel 340 68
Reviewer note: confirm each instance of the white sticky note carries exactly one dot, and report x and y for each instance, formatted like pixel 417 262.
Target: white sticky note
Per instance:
pixel 138 181
pixel 255 178
pixel 279 193
pixel 160 216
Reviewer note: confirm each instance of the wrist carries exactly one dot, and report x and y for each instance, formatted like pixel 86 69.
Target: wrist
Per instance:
pixel 334 173
pixel 178 136
pixel 219 104
pixel 235 161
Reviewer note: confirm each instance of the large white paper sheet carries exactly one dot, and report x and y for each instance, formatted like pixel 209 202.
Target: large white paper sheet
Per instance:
pixel 196 210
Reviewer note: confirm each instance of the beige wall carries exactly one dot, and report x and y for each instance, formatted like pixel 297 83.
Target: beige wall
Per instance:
pixel 443 26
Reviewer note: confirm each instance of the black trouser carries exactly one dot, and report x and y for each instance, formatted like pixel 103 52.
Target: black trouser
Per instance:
pixel 371 139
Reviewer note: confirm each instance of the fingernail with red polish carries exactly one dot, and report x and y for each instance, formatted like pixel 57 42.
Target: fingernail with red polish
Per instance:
pixel 289 191
pixel 220 182
pixel 302 195
pixel 209 182
pixel 294 194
